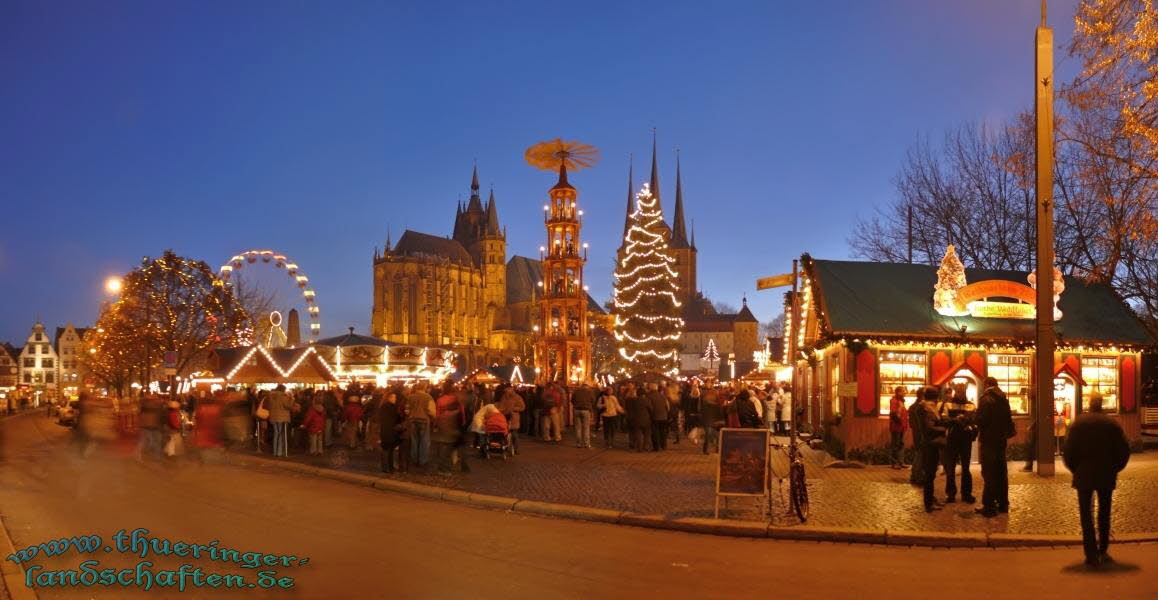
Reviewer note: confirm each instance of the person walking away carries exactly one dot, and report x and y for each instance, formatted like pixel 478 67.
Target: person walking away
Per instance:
pixel 690 399
pixel 208 428
pixel 932 435
pixel 173 445
pixel 959 415
pixel 712 418
pixel 551 420
pixel 371 440
pixel 659 417
pixel 674 409
pixel 314 424
pixel 583 403
pixel 994 428
pixel 1095 452
pixel 351 418
pixel 389 429
pixel 279 405
pixel 639 417
pixel 420 410
pixel 150 423
pixel 898 423
pixel 609 411
pixel 449 428
pixel 512 405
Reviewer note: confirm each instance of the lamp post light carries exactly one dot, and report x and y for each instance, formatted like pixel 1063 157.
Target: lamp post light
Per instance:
pixel 113 285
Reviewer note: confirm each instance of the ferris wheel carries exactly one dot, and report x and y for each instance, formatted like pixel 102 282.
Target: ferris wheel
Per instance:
pixel 291 268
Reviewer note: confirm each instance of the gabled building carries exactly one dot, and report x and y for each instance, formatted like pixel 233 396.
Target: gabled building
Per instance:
pixel 9 369
pixel 68 348
pixel 38 366
pixel 736 336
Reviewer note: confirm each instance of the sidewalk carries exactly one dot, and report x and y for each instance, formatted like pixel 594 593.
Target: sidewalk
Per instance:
pixel 680 483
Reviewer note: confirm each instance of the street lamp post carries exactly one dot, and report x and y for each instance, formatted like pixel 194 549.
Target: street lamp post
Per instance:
pixel 1044 348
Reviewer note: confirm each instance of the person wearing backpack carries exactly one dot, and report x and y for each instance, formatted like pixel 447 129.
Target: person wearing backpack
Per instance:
pixel 994 428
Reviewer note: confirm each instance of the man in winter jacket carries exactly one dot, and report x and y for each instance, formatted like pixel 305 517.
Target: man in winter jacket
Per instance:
pixel 659 417
pixel 1096 451
pixel 994 428
pixel 926 427
pixel 639 418
pixel 279 405
pixel 512 405
pixel 583 403
pixel 420 411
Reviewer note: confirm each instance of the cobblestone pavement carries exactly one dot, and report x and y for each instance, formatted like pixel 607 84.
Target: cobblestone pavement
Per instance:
pixel 680 483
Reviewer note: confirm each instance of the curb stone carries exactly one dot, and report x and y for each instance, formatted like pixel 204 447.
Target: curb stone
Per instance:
pixel 12 574
pixel 568 511
pixel 828 534
pixel 999 540
pixel 934 539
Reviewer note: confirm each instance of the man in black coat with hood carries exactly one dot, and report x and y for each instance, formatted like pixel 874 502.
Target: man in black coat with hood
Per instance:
pixel 1096 451
pixel 994 428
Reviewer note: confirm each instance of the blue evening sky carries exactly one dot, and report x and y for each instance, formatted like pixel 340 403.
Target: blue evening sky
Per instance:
pixel 311 127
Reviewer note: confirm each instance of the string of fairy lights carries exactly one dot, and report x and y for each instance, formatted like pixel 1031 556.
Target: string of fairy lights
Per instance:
pixel 647 322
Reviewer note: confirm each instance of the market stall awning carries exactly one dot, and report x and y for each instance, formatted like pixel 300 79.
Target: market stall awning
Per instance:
pixel 255 364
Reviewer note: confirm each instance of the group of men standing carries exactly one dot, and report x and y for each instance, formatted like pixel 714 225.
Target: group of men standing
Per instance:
pixel 1095 452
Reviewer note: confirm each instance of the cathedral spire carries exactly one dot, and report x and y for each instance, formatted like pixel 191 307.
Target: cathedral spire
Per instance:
pixel 679 237
pixel 492 216
pixel 655 173
pixel 475 204
pixel 630 194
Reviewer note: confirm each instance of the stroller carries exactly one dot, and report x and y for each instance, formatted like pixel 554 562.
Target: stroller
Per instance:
pixel 497 436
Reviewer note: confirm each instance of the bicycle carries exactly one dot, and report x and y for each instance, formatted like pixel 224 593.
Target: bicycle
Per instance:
pixel 797 485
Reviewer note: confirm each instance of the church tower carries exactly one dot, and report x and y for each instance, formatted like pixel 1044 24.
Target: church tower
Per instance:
pixel 493 252
pixel 682 248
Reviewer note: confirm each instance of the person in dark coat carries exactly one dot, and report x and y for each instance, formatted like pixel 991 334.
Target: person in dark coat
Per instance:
pixel 746 411
pixel 958 414
pixel 927 428
pixel 659 417
pixel 389 429
pixel 1096 451
pixel 994 428
pixel 639 417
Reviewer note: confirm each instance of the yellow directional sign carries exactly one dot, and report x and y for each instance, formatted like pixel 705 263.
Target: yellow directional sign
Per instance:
pixel 774 281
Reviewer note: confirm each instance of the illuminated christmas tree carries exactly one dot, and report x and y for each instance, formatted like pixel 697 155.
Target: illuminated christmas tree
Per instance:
pixel 711 354
pixel 950 278
pixel 647 321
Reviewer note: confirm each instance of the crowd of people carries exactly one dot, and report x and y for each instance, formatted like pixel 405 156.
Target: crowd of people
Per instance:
pixel 420 425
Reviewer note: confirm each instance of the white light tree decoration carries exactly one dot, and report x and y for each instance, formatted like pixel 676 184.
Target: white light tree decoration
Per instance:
pixel 646 308
pixel 1059 286
pixel 711 354
pixel 950 278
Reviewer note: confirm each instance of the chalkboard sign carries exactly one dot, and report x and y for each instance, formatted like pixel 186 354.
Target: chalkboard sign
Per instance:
pixel 742 469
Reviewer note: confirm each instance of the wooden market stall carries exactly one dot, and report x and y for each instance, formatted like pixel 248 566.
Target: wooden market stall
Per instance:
pixel 868 328
pixel 259 366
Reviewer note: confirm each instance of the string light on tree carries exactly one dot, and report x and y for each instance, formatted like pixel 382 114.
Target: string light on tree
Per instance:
pixel 645 297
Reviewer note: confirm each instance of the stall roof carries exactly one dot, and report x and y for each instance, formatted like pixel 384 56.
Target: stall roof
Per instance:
pixel 869 298
pixel 272 365
pixel 353 339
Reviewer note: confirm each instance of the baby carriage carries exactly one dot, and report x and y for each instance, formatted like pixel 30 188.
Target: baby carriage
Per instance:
pixel 498 436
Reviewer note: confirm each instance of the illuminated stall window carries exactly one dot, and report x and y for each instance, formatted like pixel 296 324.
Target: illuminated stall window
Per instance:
pixel 905 369
pixel 834 384
pixel 1101 376
pixel 1012 374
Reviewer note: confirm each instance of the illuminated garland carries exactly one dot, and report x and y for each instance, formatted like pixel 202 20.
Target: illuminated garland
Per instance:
pixel 645 295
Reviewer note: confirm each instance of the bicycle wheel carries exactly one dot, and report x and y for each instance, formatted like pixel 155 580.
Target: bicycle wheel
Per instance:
pixel 798 490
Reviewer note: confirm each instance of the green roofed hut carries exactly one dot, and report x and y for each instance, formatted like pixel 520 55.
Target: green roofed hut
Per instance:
pixel 869 328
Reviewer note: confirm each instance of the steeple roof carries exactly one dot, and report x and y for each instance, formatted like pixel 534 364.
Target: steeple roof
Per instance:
pixel 563 183
pixel 655 173
pixel 679 234
pixel 492 216
pixel 630 196
pixel 745 314
pixel 475 204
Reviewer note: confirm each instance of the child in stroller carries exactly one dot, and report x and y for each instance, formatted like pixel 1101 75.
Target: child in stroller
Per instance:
pixel 496 434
